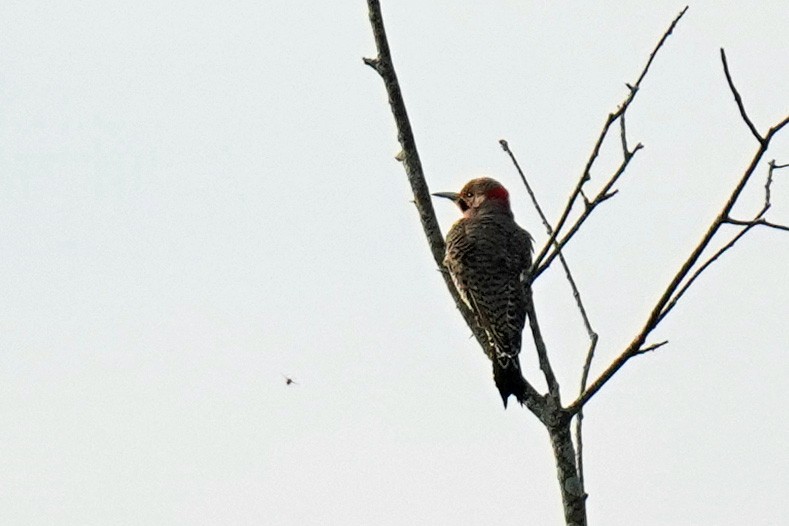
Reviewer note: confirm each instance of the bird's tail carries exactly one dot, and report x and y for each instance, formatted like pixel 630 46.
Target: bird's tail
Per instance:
pixel 508 377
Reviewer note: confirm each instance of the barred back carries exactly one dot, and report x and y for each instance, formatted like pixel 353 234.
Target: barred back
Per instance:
pixel 487 256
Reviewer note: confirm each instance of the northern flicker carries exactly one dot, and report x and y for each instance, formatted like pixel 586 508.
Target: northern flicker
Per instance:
pixel 488 256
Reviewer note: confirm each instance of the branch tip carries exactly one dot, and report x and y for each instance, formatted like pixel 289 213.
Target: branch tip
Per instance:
pixel 607 195
pixel 650 348
pixel 544 257
pixel 738 99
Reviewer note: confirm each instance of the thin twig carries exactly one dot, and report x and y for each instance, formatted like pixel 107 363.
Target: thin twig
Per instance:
pixel 542 353
pixel 738 99
pixel 659 44
pixel 593 337
pixel 568 274
pixel 757 220
pixel 769 182
pixel 623 134
pixel 701 269
pixel 579 417
pixel 506 147
pixel 665 303
pixel 650 348
pixel 612 117
pixel 604 194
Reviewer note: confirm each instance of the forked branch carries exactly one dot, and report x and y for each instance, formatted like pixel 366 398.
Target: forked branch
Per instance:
pixel 550 249
pixel 686 274
pixel 748 225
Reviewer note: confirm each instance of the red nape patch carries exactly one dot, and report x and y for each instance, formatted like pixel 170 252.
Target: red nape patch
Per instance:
pixel 499 193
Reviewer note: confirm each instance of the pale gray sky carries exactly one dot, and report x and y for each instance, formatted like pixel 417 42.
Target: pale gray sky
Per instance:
pixel 197 198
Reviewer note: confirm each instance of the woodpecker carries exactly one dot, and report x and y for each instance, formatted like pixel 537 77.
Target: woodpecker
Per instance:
pixel 488 256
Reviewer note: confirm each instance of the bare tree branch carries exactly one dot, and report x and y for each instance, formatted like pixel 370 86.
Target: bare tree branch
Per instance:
pixel 604 194
pixel 593 337
pixel 623 133
pixel 506 147
pixel 579 416
pixel 738 99
pixel 759 217
pixel 701 269
pixel 668 299
pixel 756 221
pixel 576 294
pixel 542 353
pixel 650 348
pixel 540 262
pixel 670 295
pixel 409 156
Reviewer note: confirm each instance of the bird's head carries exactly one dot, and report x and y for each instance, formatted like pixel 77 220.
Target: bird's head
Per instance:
pixel 479 196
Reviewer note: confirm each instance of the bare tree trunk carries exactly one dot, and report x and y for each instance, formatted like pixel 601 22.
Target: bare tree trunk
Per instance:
pixel 573 496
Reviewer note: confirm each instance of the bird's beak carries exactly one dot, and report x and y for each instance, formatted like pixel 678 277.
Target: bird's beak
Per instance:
pixel 448 195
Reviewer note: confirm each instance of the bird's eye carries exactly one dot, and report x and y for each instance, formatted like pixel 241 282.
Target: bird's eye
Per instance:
pixel 468 194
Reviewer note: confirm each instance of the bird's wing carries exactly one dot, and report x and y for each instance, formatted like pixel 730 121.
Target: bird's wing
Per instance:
pixel 458 247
